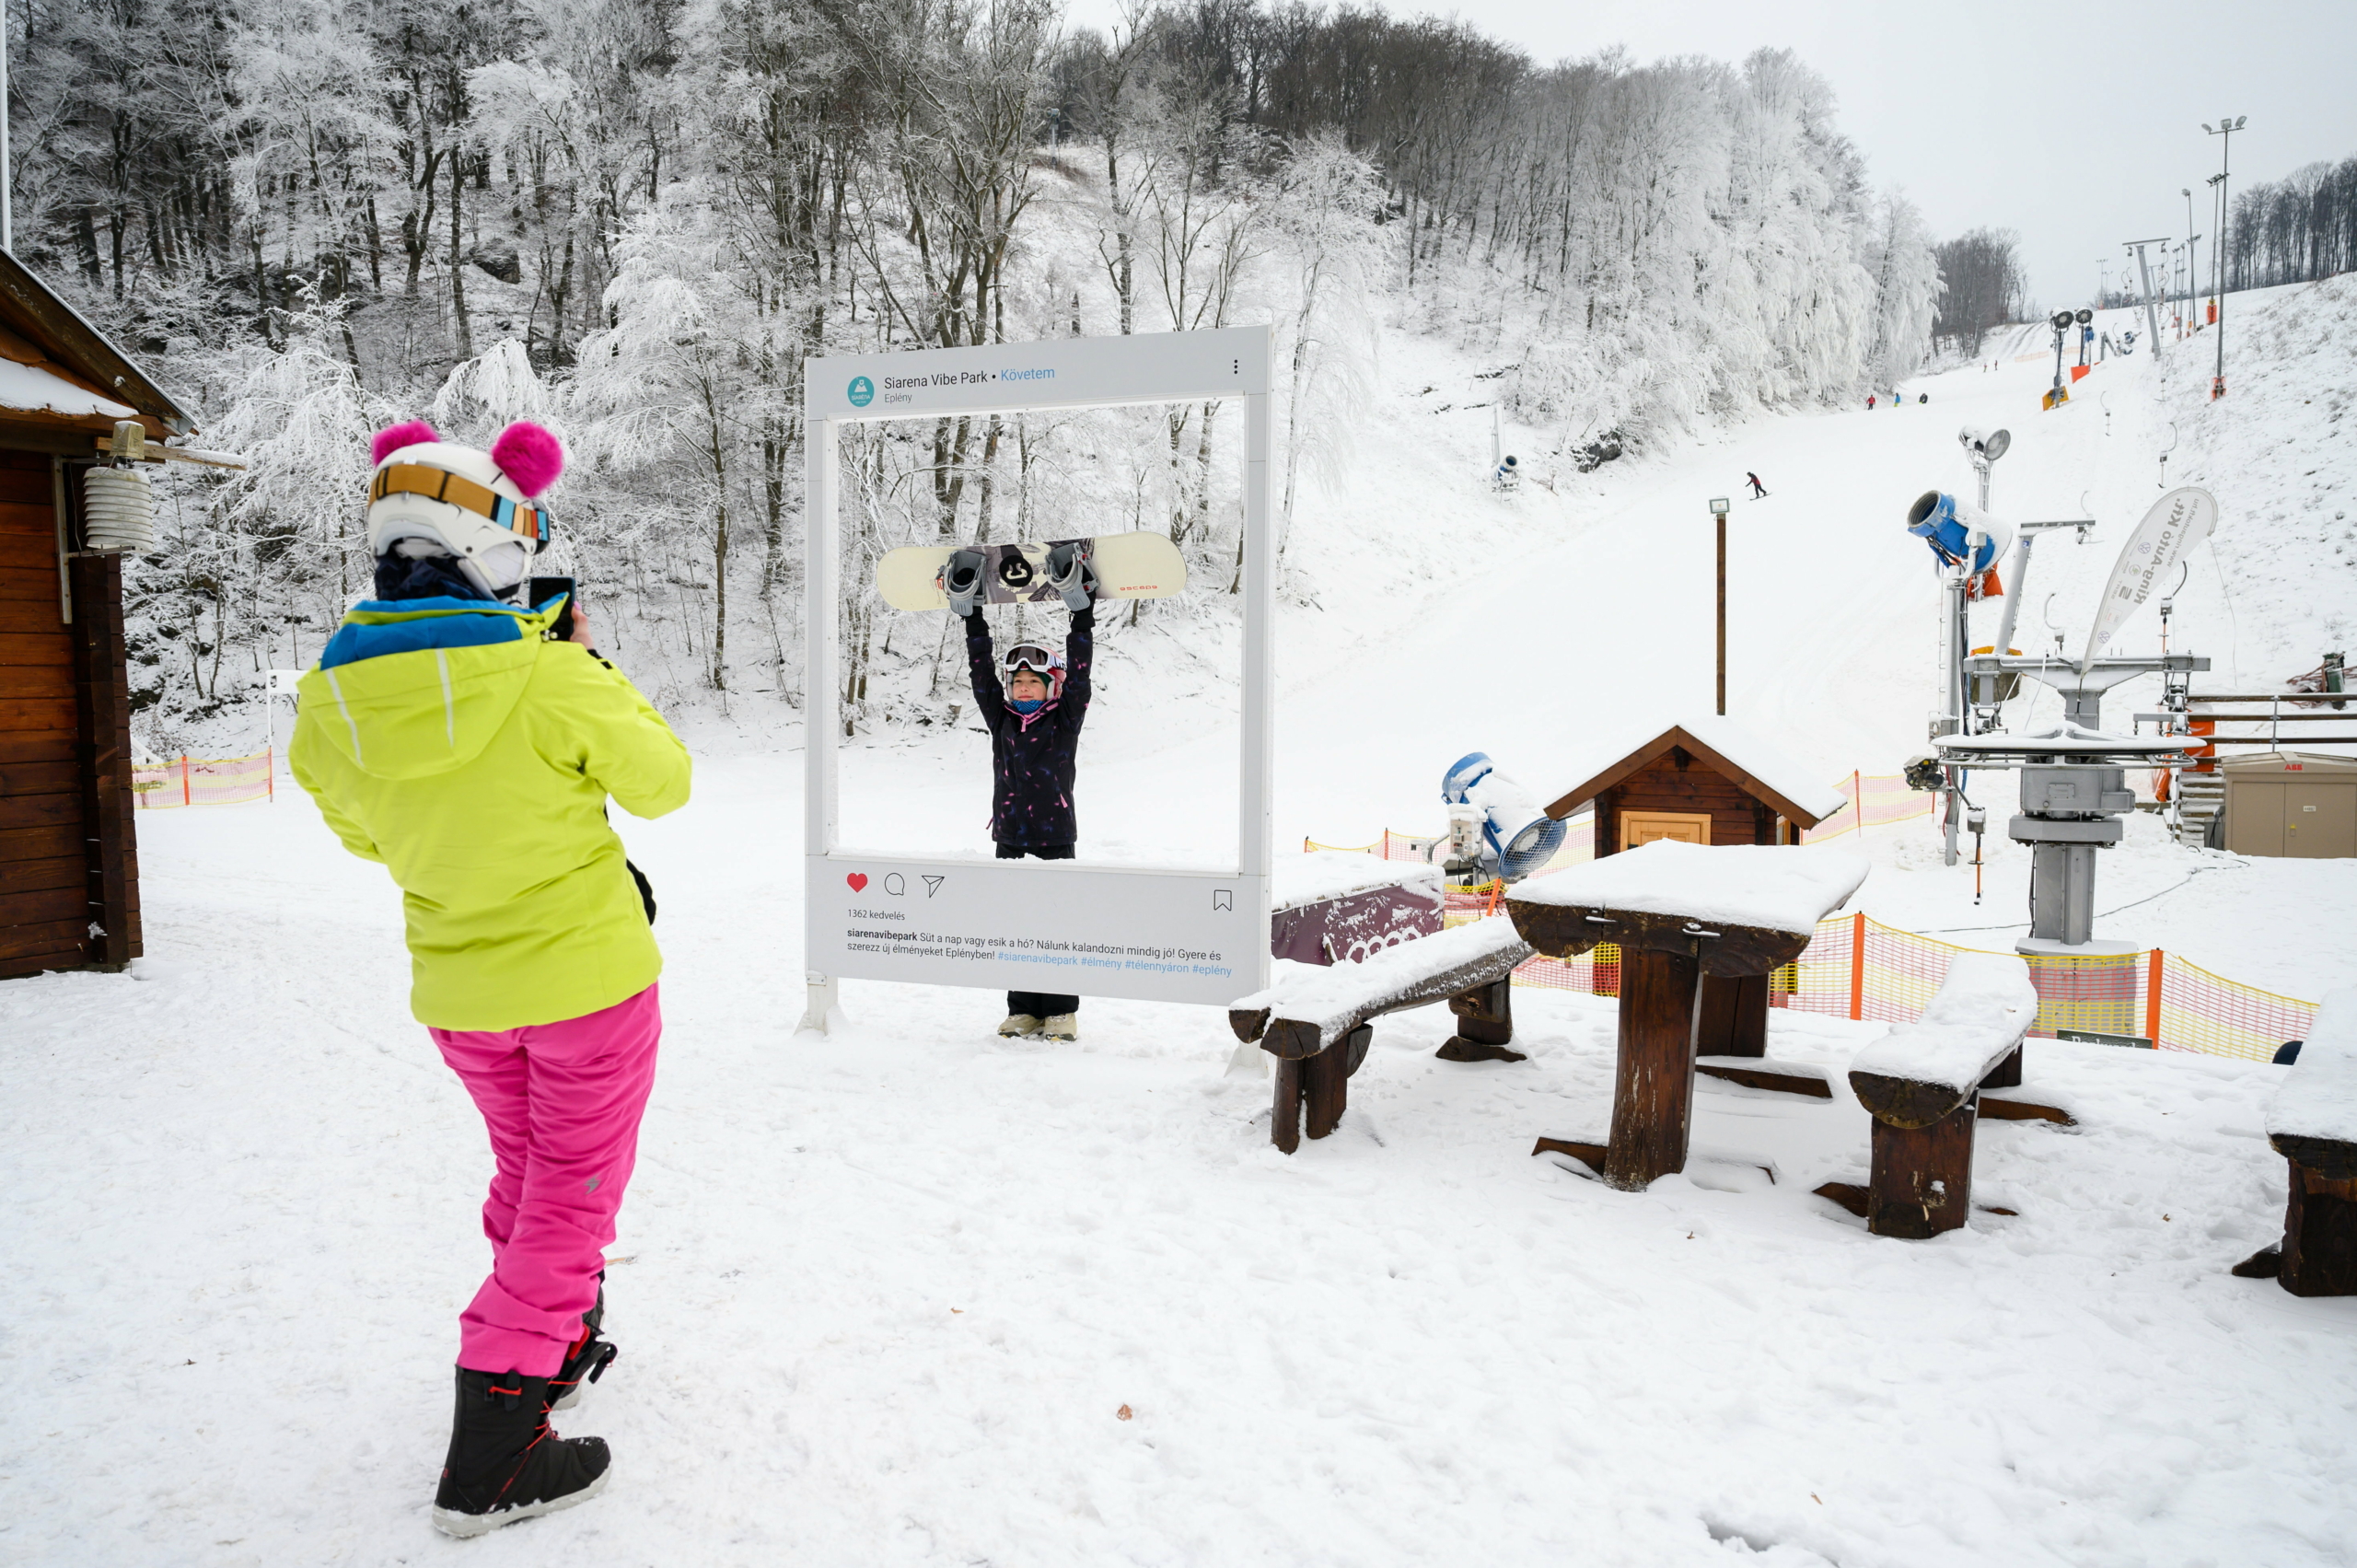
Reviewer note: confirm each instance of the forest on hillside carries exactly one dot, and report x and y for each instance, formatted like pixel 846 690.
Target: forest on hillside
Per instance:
pixel 634 219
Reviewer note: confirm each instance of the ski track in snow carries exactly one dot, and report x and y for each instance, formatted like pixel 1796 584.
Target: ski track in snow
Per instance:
pixel 880 1297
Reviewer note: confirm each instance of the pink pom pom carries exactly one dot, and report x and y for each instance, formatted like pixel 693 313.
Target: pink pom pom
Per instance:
pixel 529 456
pixel 394 438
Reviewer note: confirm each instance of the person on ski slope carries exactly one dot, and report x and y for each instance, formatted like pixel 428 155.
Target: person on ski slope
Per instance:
pixel 1870 403
pixel 1758 489
pixel 1034 719
pixel 445 736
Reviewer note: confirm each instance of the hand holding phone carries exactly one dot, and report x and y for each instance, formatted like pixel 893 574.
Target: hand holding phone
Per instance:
pixel 546 588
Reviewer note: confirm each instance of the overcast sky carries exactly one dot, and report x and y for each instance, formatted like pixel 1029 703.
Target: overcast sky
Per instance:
pixel 2075 124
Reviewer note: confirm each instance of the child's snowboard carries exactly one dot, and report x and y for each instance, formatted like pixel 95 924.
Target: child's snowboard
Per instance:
pixel 1129 565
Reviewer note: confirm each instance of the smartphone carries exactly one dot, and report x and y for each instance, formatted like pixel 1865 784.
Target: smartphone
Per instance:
pixel 546 588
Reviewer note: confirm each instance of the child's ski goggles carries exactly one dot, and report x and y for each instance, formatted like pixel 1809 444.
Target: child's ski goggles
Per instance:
pixel 1031 657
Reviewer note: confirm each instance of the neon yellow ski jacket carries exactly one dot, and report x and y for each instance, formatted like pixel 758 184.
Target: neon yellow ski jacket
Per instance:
pixel 445 739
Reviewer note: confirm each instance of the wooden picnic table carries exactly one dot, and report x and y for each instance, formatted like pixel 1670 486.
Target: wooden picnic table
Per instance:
pixel 1699 931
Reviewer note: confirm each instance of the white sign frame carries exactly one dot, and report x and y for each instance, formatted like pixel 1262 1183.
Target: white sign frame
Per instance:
pixel 1150 932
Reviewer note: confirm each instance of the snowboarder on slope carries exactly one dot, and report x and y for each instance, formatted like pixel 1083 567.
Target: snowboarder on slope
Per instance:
pixel 1034 720
pixel 446 737
pixel 1757 489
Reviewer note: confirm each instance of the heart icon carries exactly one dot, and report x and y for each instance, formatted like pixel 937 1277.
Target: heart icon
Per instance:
pixel 858 881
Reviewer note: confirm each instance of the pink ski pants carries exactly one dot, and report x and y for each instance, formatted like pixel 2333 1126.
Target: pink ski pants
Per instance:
pixel 561 1102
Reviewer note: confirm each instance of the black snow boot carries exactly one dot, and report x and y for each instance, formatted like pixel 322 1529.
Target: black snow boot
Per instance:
pixel 587 1359
pixel 505 1462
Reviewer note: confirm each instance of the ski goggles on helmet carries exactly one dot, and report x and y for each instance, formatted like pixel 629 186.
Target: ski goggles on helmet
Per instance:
pixel 1033 657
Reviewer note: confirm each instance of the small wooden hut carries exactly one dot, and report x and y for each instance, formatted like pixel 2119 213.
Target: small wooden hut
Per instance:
pixel 1701 782
pixel 1705 781
pixel 69 864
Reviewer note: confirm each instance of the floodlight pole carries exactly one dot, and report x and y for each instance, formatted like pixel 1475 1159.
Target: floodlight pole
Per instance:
pixel 1719 514
pixel 2192 262
pixel 2226 131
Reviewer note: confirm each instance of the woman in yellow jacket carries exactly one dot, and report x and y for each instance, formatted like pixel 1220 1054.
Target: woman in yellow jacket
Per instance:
pixel 445 736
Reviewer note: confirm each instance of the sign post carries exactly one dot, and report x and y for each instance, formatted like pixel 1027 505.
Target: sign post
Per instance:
pixel 1719 512
pixel 1146 933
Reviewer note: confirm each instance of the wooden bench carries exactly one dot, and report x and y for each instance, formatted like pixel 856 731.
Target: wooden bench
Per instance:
pixel 1921 1083
pixel 1316 1021
pixel 2313 1124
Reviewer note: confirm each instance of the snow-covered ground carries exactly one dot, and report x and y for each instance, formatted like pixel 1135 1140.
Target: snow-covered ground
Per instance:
pixel 883 1297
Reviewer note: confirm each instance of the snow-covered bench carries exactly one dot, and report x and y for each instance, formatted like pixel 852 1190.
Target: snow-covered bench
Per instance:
pixel 1335 906
pixel 1921 1083
pixel 2313 1124
pixel 1314 1021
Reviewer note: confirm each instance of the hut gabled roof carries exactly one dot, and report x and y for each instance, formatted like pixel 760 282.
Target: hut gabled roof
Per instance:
pixel 57 369
pixel 1758 767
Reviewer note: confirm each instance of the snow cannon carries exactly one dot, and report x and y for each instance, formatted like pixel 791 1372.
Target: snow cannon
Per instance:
pixel 1956 530
pixel 1985 446
pixel 1494 822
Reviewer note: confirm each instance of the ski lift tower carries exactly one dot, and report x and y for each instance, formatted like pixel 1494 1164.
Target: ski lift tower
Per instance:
pixel 2073 785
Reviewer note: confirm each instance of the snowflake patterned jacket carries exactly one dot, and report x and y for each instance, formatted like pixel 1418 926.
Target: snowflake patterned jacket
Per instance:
pixel 1032 755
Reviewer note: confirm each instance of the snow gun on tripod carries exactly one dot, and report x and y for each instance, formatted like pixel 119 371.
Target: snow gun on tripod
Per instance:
pixel 1495 829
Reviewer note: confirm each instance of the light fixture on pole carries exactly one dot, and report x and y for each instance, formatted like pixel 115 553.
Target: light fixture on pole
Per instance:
pixel 1719 512
pixel 2225 129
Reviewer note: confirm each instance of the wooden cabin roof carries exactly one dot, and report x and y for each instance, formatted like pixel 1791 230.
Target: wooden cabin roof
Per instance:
pixel 58 370
pixel 1753 766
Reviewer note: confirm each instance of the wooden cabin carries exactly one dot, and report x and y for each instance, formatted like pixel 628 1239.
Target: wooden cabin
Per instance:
pixel 69 864
pixel 1705 782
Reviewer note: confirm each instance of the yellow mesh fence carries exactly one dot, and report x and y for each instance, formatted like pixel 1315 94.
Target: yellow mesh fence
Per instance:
pixel 203 781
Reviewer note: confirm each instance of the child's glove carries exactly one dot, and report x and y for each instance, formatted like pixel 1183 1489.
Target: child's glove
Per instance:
pixel 961 579
pixel 1071 573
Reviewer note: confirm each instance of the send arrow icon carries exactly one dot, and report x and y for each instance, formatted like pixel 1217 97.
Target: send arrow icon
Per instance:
pixel 932 885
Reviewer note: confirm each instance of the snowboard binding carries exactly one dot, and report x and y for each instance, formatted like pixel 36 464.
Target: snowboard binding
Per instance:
pixel 1071 573
pixel 961 579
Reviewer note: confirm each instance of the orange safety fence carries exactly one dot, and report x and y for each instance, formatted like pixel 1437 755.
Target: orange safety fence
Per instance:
pixel 1887 799
pixel 204 781
pixel 1858 968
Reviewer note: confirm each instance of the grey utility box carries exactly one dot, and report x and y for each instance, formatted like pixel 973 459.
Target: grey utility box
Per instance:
pixel 2301 806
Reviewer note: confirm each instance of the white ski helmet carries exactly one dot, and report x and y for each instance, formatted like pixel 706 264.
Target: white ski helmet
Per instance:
pixel 431 497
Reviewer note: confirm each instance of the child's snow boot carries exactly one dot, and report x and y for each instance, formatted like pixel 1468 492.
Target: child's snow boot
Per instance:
pixel 1019 1024
pixel 505 1463
pixel 587 1359
pixel 1063 1025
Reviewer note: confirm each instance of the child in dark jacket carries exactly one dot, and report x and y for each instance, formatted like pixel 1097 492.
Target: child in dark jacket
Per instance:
pixel 1034 720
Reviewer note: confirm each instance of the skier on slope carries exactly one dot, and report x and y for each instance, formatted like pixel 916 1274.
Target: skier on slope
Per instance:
pixel 1870 403
pixel 1034 719
pixel 444 736
pixel 1757 489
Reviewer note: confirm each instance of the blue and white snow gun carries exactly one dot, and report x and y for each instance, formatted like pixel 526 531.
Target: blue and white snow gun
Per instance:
pixel 1494 821
pixel 1959 532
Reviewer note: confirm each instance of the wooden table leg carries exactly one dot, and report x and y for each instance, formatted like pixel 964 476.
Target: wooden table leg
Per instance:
pixel 2319 1236
pixel 1284 1121
pixel 1652 1093
pixel 1734 1016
